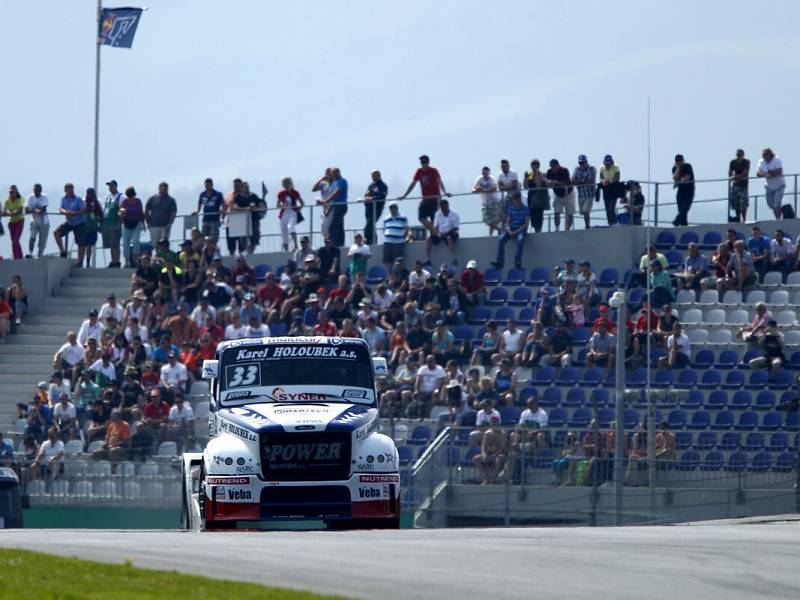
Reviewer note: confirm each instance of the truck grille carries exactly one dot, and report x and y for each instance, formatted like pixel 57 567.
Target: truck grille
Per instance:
pixel 312 456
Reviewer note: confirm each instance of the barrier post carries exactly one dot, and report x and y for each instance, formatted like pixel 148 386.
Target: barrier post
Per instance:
pixel 795 194
pixel 655 205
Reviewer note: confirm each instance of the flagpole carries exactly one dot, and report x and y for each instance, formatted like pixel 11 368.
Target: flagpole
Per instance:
pixel 97 97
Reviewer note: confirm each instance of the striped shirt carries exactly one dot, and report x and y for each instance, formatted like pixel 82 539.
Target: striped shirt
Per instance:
pixel 516 215
pixel 394 230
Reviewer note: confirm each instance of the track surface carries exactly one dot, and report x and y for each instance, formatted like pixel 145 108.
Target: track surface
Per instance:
pixel 713 561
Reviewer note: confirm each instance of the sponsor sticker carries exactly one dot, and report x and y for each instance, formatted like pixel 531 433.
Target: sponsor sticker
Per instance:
pixel 370 492
pixel 353 393
pixel 220 480
pixel 365 432
pixel 237 431
pixel 246 469
pixel 379 478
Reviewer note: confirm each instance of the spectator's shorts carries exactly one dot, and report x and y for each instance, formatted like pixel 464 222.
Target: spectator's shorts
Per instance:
pixel 739 198
pixel 392 252
pixel 565 204
pixel 90 238
pixel 775 197
pixel 427 209
pixel 585 202
pixel 453 235
pixel 38 229
pixel 211 229
pixel 79 231
pixel 601 361
pixel 111 236
pixel 681 360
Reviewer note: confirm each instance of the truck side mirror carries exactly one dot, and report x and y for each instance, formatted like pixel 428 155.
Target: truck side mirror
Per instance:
pixel 210 369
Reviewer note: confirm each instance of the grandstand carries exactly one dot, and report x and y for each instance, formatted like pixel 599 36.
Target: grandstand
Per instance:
pixel 734 444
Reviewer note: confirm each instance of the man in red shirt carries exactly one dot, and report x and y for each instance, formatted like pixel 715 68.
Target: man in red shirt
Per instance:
pixel 270 294
pixel 156 412
pixel 473 284
pixel 5 320
pixel 243 274
pixel 432 187
pixel 341 290
pixel 211 328
pixel 325 326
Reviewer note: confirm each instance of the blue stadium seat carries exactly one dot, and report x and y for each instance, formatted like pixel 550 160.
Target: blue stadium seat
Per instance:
pixel 723 420
pixel 261 272
pixel 611 378
pixel 479 315
pixel 557 418
pixel 605 416
pixel 631 418
pixel 592 376
pixel 772 421
pixel 464 333
pixel 539 276
pixel 376 274
pixel 758 380
pixel 676 419
pixel 405 454
pixel 737 461
pixel 665 240
pixel 504 313
pixel 580 361
pixel 748 356
pixel 711 240
pixel 278 329
pixel 405 478
pixel 741 400
pixel 711 380
pixel 794 361
pixel 701 419
pixel 786 462
pixel 761 462
pixel 526 393
pixel 509 415
pixel 492 276
pixel 636 378
pixel 683 440
pixel 469 456
pixel 559 438
pixel 635 298
pixel 778 442
pixel 545 458
pixel 609 278
pixel 663 379
pixel 580 417
pixel 453 456
pixel 731 440
pixel 689 461
pixel 551 397
pixel 515 276
pixel 765 400
pixel 544 376
pixel 420 436
pixel 782 380
pixel 712 461
pixel 688 237
pixel 703 359
pixel 706 440
pixel 748 421
pixel 497 297
pixel 599 396
pixel 521 297
pixel 727 359
pixel 716 400
pixel 693 400
pixel 526 315
pixel 581 336
pixel 754 441
pixel 575 397
pixel 674 258
pixel 687 379
pixel 655 356
pixel 792 421
pixel 568 376
pixel 733 380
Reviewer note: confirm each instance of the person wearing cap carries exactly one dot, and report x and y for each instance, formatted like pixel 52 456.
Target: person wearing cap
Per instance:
pixel 584 176
pixel 136 308
pixel 602 348
pixel 90 328
pixel 36 206
pixel 358 256
pixel 338 203
pixel 683 178
pixel 431 187
pixel 446 225
pixel 374 200
pixel 739 180
pixel 250 308
pixel 174 375
pixel 304 250
pixel 159 214
pixel 491 205
pixel 535 182
pixel 473 283
pixel 330 258
pixel 14 209
pixel 515 227
pixel 111 229
pixel 366 311
pixel 770 167
pixel 313 305
pixel 395 234
pixel 74 209
pixel 558 178
pixel 611 187
pixel 289 204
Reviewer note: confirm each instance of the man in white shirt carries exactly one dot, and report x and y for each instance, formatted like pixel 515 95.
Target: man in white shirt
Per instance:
pixel 40 225
pixel 429 381
pixel 202 310
pixel 534 416
pixel 445 228
pixel 235 330
pixel 511 345
pixel 65 417
pixel 782 254
pixel 90 328
pixel 678 350
pixel 180 423
pixel 256 329
pixel 134 328
pixel 418 276
pixel 507 180
pixel 105 368
pixel 70 356
pixel 770 167
pixel 111 309
pixel 174 375
pixel 48 459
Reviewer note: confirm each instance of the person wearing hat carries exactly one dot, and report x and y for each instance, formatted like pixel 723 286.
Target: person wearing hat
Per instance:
pixel 250 309
pixel 431 187
pixel 14 207
pixel 111 229
pixel 683 176
pixel 558 178
pixel 366 311
pixel 174 375
pixel 36 206
pixel 135 307
pixel 611 187
pixel 515 226
pixel 473 284
pixel 374 200
pixel 584 176
pixel 330 257
pixel 395 235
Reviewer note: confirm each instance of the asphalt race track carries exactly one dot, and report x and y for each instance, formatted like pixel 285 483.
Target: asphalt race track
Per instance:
pixel 688 561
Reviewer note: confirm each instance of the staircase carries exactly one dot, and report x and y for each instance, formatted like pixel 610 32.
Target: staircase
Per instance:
pixel 27 357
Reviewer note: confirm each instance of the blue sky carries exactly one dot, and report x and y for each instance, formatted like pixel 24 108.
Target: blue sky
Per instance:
pixel 264 89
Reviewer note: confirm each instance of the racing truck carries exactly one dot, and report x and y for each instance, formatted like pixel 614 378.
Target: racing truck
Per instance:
pixel 293 436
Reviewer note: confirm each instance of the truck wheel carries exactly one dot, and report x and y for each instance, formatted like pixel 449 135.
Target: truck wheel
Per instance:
pixel 210 525
pixel 185 498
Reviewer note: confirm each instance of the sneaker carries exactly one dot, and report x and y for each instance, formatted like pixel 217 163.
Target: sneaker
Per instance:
pixel 63 255
pixel 28 256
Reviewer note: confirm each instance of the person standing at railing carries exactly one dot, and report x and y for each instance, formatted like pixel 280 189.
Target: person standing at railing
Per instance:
pixel 14 209
pixel 159 214
pixel 338 202
pixel 611 186
pixel 395 233
pixel 258 209
pixel 432 187
pixel 112 229
pixel 683 178
pixel 240 202
pixel 770 167
pixel 74 209
pixel 131 212
pixel 491 208
pixel 40 222
pixel 584 177
pixel 538 195
pixel 374 200
pixel 210 202
pixel 564 195
pixel 507 182
pixel 738 175
pixel 323 186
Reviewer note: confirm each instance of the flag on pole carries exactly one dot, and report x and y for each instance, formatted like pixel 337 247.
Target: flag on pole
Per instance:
pixel 118 26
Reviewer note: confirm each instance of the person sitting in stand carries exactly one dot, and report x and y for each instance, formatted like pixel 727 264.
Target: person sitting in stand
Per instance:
pixel 783 254
pixel 772 344
pixel 678 350
pixel 740 272
pixel 601 348
pixel 759 247
pixel 696 268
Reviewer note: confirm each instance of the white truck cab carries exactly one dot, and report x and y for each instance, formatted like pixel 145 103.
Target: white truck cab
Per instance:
pixel 293 436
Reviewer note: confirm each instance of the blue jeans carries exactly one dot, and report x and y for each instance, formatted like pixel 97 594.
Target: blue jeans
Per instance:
pixel 501 247
pixel 131 237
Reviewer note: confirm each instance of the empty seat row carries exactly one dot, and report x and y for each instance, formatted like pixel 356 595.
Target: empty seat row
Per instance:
pixel 731 317
pixel 732 440
pixel 735 298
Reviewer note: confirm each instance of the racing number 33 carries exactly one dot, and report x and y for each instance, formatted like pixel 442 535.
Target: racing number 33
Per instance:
pixel 243 375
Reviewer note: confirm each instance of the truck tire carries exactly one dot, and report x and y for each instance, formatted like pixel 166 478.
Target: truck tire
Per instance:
pixel 210 525
pixel 185 498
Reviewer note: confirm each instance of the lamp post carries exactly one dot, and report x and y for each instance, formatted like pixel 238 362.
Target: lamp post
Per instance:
pixel 617 302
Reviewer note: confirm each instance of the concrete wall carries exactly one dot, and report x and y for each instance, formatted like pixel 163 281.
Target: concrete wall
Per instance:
pixel 40 277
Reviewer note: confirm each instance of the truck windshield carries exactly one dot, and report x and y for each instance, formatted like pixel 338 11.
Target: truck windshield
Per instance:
pixel 261 370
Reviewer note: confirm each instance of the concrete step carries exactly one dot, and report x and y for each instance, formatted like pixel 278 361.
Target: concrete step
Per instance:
pixel 29 370
pixel 54 321
pixel 17 357
pixel 101 286
pixel 91 295
pixel 50 339
pixel 101 273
